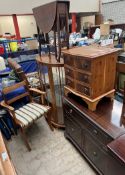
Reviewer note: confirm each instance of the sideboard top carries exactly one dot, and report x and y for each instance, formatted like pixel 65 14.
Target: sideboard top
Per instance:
pixel 90 51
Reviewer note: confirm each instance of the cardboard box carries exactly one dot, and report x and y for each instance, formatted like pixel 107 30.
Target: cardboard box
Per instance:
pixel 32 44
pixel 104 29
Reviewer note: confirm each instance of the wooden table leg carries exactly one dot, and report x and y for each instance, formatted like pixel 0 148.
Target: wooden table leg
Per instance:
pixel 53 97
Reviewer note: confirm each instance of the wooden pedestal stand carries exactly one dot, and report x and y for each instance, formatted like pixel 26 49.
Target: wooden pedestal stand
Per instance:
pixel 92 103
pixel 51 62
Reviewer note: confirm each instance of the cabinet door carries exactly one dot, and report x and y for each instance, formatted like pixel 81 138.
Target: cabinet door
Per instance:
pixel 95 153
pixel 73 130
pixel 114 167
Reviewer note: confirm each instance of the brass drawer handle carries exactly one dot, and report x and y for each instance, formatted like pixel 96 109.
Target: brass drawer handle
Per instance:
pixel 95 131
pixel 94 153
pixel 70 111
pixel 68 71
pixel 85 65
pixel 86 90
pixel 85 77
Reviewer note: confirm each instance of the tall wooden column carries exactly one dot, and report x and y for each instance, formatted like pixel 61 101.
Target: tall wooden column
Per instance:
pixel 15 21
pixel 73 22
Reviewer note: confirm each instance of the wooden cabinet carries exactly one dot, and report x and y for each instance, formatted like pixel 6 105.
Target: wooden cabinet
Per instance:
pixel 92 71
pixel 93 67
pixel 86 131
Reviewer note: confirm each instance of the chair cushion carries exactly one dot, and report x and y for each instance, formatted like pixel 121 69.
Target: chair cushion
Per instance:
pixel 30 112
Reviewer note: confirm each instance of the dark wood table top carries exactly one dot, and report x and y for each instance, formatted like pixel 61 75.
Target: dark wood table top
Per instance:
pixel 118 147
pixel 107 115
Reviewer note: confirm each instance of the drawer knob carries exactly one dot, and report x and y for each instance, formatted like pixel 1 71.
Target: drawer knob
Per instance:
pixel 85 89
pixel 70 111
pixel 67 70
pixel 95 131
pixel 94 153
pixel 85 77
pixel 85 65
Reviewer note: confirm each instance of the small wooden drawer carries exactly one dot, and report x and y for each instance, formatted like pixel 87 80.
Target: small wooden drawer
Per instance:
pixel 69 60
pixel 73 129
pixel 83 64
pixel 98 134
pixel 95 153
pixel 83 89
pixel 69 72
pixel 70 83
pixel 83 77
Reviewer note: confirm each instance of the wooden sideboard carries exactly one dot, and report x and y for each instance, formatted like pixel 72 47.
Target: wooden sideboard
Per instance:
pixel 92 132
pixel 90 73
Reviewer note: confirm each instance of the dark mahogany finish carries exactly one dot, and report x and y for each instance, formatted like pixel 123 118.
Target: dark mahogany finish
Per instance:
pixel 91 132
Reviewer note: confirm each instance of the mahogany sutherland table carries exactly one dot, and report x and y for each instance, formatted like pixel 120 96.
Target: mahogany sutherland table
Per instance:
pixel 97 135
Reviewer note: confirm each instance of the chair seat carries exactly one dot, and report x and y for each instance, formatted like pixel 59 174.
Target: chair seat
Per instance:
pixel 30 112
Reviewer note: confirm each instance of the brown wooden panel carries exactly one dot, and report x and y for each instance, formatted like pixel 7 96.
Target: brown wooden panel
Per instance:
pixel 98 74
pixel 74 130
pixel 69 60
pixel 8 89
pixel 83 89
pixel 95 154
pixel 18 97
pixel 83 64
pixel 110 72
pixel 69 72
pixel 98 134
pixel 70 82
pixel 83 77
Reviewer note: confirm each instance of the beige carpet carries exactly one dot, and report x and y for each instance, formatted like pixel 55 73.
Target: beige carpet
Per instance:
pixel 51 153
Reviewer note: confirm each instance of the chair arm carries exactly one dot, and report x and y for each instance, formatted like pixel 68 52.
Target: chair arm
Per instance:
pixel 37 91
pixel 10 108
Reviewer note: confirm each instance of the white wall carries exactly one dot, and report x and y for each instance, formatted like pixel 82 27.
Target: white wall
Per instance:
pixel 25 6
pixel 6 25
pixel 84 5
pixel 27 25
pixel 90 19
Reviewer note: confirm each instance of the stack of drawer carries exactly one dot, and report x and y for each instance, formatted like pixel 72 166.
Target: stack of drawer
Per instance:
pixel 90 76
pixel 91 140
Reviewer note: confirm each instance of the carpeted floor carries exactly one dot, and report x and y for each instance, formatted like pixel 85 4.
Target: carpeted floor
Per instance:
pixel 51 153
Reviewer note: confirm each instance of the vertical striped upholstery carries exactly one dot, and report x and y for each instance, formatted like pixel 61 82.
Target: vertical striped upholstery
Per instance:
pixel 30 112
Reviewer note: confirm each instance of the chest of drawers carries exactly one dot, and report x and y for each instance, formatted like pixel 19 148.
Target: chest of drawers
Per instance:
pixel 90 71
pixel 88 132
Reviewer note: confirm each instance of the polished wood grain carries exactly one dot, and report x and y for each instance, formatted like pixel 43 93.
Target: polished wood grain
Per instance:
pixel 100 70
pixel 107 114
pixel 92 133
pixel 90 52
pixel 118 147
pixel 93 71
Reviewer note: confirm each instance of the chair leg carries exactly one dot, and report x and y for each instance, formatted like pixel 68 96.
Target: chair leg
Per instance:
pixel 25 139
pixel 48 118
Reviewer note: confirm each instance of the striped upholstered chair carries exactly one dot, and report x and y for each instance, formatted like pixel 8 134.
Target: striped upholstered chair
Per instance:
pixel 24 115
